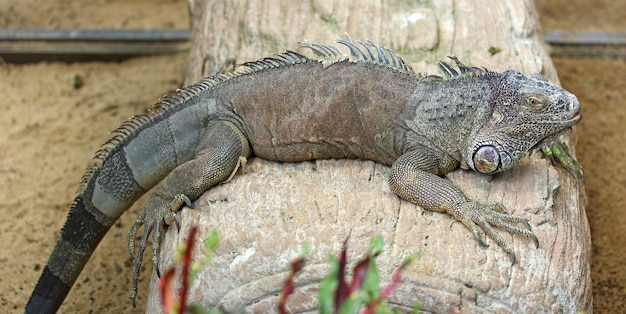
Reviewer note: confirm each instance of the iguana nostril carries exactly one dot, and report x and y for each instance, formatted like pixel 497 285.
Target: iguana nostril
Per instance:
pixel 574 105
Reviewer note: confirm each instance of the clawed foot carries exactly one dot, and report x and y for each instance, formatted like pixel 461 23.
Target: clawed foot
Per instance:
pixel 153 217
pixel 490 216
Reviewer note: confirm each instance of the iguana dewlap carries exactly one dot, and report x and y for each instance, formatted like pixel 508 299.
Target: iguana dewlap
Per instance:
pixel 289 108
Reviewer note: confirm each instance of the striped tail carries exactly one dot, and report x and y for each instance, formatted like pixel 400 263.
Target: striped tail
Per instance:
pixel 142 152
pixel 80 236
pixel 108 189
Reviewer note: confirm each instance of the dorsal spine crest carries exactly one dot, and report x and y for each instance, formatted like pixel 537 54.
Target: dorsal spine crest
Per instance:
pixel 368 52
pixel 464 70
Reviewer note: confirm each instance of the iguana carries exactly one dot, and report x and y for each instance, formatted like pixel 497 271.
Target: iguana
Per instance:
pixel 367 104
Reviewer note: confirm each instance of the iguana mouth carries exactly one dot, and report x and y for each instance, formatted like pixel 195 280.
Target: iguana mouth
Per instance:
pixel 577 116
pixel 573 119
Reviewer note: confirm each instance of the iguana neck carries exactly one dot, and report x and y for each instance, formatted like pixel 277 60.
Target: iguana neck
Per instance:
pixel 447 113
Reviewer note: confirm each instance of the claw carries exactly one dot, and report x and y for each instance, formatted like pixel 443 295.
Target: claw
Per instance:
pixel 187 201
pixel 534 238
pixel 480 241
pixel 474 229
pixel 512 254
pixel 478 238
pixel 169 215
pixel 492 216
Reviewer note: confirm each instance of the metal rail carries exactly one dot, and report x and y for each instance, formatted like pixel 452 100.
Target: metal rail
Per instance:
pixel 586 44
pixel 71 45
pixel 585 38
pixel 28 45
pixel 90 35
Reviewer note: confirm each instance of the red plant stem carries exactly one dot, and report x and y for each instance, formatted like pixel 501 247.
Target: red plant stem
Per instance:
pixel 186 268
pixel 165 285
pixel 289 286
pixel 342 293
pixel 397 277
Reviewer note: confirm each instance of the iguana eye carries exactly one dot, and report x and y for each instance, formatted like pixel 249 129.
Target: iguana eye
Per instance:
pixel 535 103
pixel 486 159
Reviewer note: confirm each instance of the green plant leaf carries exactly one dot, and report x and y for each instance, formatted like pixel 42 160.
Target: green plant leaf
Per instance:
pixel 352 304
pixel 210 243
pixel 326 293
pixel 372 282
pixel 376 245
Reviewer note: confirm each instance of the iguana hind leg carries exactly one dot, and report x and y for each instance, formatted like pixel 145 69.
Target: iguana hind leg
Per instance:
pixel 218 156
pixel 415 177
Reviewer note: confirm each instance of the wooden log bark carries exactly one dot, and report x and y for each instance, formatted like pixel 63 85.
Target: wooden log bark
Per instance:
pixel 265 214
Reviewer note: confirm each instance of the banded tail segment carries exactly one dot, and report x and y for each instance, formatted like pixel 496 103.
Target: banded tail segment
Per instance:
pixel 143 151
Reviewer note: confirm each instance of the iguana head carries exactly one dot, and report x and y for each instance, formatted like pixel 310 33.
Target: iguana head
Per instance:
pixel 526 111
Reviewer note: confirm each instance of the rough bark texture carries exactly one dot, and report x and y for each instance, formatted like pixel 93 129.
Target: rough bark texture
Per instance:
pixel 264 215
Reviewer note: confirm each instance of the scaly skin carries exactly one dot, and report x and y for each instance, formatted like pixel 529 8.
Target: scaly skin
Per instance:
pixel 290 108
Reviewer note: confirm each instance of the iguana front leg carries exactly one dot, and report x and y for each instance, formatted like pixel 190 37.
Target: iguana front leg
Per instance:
pixel 415 177
pixel 218 155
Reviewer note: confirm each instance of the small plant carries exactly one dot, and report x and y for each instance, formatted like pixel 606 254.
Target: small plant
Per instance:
pixel 336 295
pixel 189 273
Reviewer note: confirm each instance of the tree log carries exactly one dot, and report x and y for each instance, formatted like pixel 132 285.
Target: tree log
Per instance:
pixel 265 214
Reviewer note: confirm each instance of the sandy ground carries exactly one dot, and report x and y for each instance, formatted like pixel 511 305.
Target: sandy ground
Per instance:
pixel 49 130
